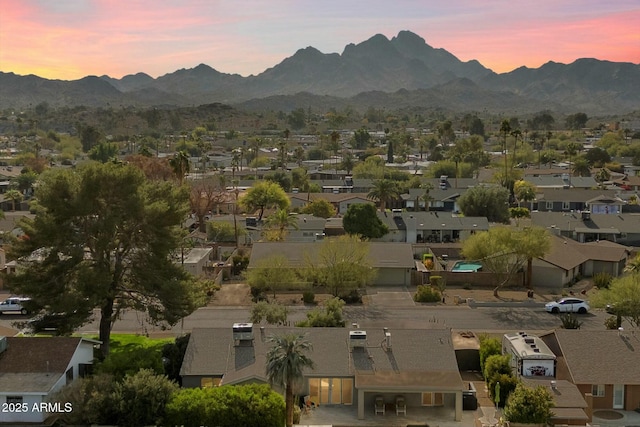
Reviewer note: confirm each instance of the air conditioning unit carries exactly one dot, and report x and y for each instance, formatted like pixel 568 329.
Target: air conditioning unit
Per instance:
pixel 243 331
pixel 357 339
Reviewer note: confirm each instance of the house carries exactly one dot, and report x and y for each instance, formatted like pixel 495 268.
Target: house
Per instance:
pixel 568 259
pixel 566 200
pixel 584 227
pixel 196 261
pixel 569 405
pixel 431 227
pixel 360 366
pixel 603 364
pixel 340 201
pixel 33 368
pixel 565 180
pixel 628 182
pixel 439 199
pixel 393 261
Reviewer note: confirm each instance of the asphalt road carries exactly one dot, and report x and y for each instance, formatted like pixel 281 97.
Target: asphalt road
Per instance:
pixel 416 317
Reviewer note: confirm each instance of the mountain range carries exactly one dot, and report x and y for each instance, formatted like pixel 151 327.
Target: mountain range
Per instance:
pixel 403 71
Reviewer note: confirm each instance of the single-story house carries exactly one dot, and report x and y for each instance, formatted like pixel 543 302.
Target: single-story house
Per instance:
pixel 604 364
pixel 340 201
pixel 563 181
pixel 429 227
pixel 443 200
pixel 393 261
pixel 33 368
pixel 361 366
pixel 569 259
pixel 565 200
pixel 196 260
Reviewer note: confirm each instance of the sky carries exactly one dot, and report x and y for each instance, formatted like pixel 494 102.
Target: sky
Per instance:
pixel 70 39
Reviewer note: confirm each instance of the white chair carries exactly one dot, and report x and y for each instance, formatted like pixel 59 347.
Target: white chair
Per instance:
pixel 401 406
pixel 379 405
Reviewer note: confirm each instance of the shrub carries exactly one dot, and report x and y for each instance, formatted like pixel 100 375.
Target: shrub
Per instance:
pixel 226 406
pixel 427 294
pixel 129 362
pixel 308 297
pixel 570 321
pixel 173 355
pixel 488 347
pixel 438 282
pixel 496 365
pixel 612 322
pixel 508 384
pixel 328 316
pixel 353 297
pixel 529 405
pixel 602 280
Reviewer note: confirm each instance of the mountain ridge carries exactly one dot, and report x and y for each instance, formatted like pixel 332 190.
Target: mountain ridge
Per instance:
pixel 378 64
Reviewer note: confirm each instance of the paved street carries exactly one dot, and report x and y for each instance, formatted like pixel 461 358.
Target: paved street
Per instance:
pixel 382 312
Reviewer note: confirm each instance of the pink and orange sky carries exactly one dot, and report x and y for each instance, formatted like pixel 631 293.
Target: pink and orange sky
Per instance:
pixel 70 39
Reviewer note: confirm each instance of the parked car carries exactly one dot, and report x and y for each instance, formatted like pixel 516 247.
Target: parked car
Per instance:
pixel 14 304
pixel 568 305
pixel 56 323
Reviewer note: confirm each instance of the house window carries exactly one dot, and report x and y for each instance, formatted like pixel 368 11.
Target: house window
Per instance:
pixel 597 390
pixel 549 206
pixel 69 375
pixel 334 391
pixel 14 399
pixel 566 206
pixel 208 382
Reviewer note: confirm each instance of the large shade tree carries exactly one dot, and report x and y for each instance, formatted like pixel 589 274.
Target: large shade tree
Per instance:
pixel 264 195
pixel 103 238
pixel 384 191
pixel 623 295
pixel 286 361
pixel 490 202
pixel 504 251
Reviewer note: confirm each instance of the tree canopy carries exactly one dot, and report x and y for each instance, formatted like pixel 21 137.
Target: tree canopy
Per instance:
pixel 264 195
pixel 529 405
pixel 623 295
pixel 319 207
pixel 491 202
pixel 361 219
pixel 104 237
pixel 503 251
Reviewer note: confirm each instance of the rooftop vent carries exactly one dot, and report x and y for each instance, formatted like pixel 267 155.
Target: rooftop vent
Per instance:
pixel 554 384
pixel 529 340
pixel 357 339
pixel 536 350
pixel 586 215
pixel 243 331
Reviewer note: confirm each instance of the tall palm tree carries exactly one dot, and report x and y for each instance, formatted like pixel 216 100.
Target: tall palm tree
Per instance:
pixel 286 361
pixel 384 190
pixel 280 220
pixel 180 165
pixel 516 134
pixel 348 162
pixel 505 129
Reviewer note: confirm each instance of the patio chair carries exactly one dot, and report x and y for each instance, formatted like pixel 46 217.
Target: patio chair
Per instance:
pixel 401 405
pixel 379 405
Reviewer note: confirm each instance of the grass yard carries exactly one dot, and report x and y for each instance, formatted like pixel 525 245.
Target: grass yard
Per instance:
pixel 126 342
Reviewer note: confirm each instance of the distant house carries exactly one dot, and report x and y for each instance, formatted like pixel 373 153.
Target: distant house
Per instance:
pixel 565 180
pixel 566 200
pixel 340 201
pixel 33 368
pixel 429 227
pixel 393 261
pixel 445 200
pixel 604 365
pixel 196 260
pixel 352 367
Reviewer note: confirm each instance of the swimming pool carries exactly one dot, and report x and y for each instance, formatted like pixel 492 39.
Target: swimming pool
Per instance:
pixel 466 266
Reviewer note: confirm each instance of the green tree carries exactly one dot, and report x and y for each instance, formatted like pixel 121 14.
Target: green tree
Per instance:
pixel 104 152
pixel 104 233
pixel 348 162
pixel 361 219
pixel 272 313
pixel 89 137
pixel 384 191
pixel 597 157
pixel 503 251
pixel 26 180
pixel 297 119
pixel 220 231
pixel 576 121
pixel 319 207
pixel 505 130
pixel 279 221
pixel 524 191
pixel 342 264
pixel 490 202
pixel 264 195
pixel 489 346
pixel 15 196
pixel 529 405
pixel 273 273
pixel 602 175
pixel 361 139
pixel 328 316
pixel 581 167
pixel 623 295
pixel 286 361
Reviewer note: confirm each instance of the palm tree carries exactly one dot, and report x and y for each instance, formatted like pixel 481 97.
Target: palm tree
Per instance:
pixel 602 175
pixel 505 129
pixel 180 165
pixel 282 153
pixel 426 197
pixel 633 266
pixel 280 220
pixel 516 134
pixel 348 162
pixel 334 146
pixel 384 190
pixel 14 196
pixel 286 361
pixel 581 167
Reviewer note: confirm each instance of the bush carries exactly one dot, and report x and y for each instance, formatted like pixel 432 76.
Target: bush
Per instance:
pixel 328 316
pixel 427 294
pixel 602 280
pixel 508 384
pixel 173 355
pixel 352 297
pixel 496 365
pixel 129 362
pixel 528 405
pixel 570 321
pixel 226 406
pixel 488 347
pixel 612 322
pixel 438 282
pixel 308 297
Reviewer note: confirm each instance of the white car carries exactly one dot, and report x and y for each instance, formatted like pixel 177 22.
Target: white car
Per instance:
pixel 14 304
pixel 568 305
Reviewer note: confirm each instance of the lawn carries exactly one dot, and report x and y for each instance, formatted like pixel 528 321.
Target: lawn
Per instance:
pixel 126 342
